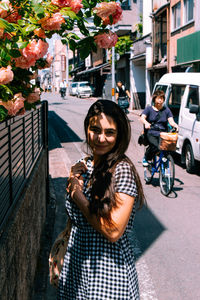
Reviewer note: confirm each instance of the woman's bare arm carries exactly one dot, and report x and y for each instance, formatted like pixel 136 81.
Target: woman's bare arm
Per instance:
pixel 119 215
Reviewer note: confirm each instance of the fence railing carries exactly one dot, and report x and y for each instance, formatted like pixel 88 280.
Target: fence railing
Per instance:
pixel 22 139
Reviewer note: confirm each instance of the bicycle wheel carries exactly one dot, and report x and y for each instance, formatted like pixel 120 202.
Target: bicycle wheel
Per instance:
pixel 166 176
pixel 148 173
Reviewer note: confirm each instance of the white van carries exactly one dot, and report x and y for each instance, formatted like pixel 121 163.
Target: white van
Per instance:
pixel 182 93
pixel 73 88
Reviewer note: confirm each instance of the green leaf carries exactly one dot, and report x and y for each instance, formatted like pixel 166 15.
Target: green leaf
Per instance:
pixel 4 55
pixel 22 45
pixel 68 13
pixel 72 45
pixel 97 20
pixel 15 53
pixel 35 2
pixel 85 4
pixel 82 27
pixel 64 41
pixel 38 8
pixel 4 6
pixel 6 25
pixel 84 52
pixel 111 19
pixel 3 113
pixel 73 36
pixel 21 22
pixel 30 28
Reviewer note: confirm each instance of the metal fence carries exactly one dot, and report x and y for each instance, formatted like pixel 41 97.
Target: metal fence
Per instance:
pixel 22 139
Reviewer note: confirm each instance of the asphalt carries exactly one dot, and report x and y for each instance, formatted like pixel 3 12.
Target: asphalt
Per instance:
pixel 59 166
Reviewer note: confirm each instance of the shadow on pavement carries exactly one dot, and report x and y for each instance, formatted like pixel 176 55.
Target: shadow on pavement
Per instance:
pixel 148 229
pixel 60 132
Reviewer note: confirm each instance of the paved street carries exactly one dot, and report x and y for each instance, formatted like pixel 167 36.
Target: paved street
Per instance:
pixel 166 236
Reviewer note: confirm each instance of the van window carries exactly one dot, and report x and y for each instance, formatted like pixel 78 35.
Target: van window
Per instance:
pixel 160 87
pixel 193 96
pixel 84 84
pixel 175 98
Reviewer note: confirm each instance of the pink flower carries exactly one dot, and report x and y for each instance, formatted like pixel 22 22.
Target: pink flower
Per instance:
pixel 106 9
pixel 41 49
pixel 15 105
pixel 40 33
pixel 75 5
pixel 52 22
pixel 33 97
pixel 12 15
pixel 1 32
pixel 106 40
pixel 61 3
pixel 6 75
pixel 33 51
pixel 25 62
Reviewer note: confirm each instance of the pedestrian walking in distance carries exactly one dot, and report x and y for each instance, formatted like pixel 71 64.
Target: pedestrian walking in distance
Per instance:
pixel 122 96
pixel 103 192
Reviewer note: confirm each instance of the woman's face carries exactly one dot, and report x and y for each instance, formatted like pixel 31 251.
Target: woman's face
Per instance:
pixel 158 102
pixel 102 134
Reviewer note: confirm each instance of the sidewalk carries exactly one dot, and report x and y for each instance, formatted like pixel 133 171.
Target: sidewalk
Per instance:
pixel 55 222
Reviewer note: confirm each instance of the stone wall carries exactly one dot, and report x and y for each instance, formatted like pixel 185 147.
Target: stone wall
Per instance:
pixel 20 241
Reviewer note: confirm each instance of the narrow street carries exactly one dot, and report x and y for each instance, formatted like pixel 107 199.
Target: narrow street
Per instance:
pixel 166 233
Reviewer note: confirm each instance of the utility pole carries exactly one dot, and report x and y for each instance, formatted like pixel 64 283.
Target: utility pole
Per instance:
pixel 113 69
pixel 67 70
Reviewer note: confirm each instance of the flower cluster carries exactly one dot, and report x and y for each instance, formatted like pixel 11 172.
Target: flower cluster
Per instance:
pixel 106 40
pixel 110 12
pixel 24 27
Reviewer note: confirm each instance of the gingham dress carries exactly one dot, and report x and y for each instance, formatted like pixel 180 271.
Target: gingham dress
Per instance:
pixel 94 268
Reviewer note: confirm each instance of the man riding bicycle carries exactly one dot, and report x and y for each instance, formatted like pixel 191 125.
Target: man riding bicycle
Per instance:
pixel 155 119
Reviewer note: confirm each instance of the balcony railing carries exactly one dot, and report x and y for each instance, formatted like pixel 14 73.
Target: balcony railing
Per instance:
pixel 22 140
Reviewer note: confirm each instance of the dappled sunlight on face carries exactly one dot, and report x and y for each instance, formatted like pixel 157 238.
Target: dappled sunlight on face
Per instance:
pixel 102 134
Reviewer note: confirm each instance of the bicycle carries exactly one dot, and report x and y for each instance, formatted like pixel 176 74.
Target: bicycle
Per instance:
pixel 164 165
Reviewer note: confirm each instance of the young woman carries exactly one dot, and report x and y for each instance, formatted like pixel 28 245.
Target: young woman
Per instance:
pixel 155 119
pixel 101 202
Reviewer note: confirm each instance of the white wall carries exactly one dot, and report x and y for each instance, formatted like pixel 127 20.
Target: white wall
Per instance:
pixel 197 14
pixel 147 21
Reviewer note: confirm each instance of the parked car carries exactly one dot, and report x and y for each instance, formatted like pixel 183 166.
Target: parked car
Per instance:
pixel 182 93
pixel 73 88
pixel 83 89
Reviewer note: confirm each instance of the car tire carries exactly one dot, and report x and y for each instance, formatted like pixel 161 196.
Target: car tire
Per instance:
pixel 189 159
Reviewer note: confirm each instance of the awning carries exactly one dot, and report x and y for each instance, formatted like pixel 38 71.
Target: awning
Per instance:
pixel 94 69
pixel 188 48
pixel 158 66
pixel 138 57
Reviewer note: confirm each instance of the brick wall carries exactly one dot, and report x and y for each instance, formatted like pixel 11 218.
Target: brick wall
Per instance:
pixel 20 241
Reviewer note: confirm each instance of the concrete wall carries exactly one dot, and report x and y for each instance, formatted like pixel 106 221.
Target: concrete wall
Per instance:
pixel 20 241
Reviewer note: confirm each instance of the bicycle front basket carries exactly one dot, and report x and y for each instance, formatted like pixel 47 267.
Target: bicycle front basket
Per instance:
pixel 168 141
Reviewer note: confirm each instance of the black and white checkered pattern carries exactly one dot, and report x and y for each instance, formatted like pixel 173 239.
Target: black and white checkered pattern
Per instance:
pixel 94 268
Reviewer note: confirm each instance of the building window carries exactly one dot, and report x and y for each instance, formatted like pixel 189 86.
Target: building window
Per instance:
pixel 176 16
pixel 188 10
pixel 126 5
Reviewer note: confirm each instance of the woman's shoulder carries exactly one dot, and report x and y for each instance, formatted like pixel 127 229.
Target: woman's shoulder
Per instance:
pixel 123 165
pixel 147 109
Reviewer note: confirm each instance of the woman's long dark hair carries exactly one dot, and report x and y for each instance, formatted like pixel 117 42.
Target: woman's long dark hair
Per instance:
pixel 102 191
